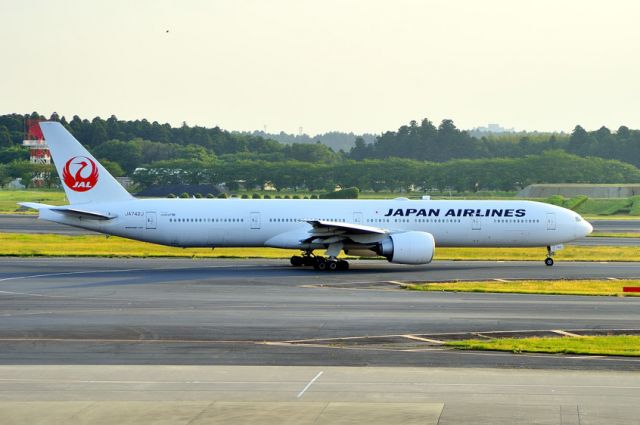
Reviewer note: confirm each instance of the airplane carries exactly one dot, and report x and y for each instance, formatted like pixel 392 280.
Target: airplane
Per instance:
pixel 401 230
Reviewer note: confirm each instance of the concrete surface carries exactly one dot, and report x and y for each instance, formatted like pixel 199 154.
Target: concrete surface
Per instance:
pixel 272 395
pixel 544 190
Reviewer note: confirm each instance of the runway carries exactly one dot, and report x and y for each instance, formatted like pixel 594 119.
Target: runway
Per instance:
pixel 256 341
pixel 252 312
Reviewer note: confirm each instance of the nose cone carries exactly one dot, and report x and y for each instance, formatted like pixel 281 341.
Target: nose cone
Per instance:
pixel 588 228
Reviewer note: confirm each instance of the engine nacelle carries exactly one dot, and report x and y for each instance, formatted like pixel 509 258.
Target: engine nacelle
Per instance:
pixel 409 248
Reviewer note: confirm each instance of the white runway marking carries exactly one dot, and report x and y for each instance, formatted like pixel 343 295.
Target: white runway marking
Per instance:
pixel 66 273
pixel 6 279
pixel 565 333
pixel 301 393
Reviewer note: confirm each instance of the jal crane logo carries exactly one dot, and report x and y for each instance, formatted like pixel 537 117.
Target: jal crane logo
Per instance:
pixel 80 174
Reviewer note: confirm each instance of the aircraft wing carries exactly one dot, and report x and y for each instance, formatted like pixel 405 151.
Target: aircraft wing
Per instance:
pixel 331 231
pixel 321 226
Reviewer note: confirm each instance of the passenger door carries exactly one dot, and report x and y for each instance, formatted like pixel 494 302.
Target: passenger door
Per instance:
pixel 551 221
pixel 254 220
pixel 150 220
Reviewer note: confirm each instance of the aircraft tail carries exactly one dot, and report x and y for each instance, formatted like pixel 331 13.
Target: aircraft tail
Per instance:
pixel 84 179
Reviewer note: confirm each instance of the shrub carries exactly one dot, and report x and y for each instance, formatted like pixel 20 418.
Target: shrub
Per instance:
pixel 198 195
pixel 619 206
pixel 210 195
pixel 555 200
pixel 245 196
pixel 266 197
pixel 635 207
pixel 223 196
pixel 575 202
pixel 255 196
pixel 348 193
pixel 171 195
pixel 184 195
pixel 313 197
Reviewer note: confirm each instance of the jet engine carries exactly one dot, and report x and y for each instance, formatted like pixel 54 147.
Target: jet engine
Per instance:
pixel 408 248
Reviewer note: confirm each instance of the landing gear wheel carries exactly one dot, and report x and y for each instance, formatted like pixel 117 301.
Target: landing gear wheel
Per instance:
pixel 548 261
pixel 332 265
pixel 321 264
pixel 296 261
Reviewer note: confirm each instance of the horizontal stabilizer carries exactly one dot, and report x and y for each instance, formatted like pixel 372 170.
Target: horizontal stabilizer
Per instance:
pixel 75 212
pixel 35 205
pixel 70 211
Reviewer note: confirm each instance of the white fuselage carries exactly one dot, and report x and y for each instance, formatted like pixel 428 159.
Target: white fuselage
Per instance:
pixel 282 223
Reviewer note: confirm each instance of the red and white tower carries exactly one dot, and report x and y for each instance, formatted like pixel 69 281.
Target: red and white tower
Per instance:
pixel 38 149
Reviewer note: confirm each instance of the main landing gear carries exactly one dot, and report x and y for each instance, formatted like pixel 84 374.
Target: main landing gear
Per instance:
pixel 318 262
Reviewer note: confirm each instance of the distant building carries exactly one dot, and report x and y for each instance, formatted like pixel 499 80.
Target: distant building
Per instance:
pixel 493 128
pixel 16 184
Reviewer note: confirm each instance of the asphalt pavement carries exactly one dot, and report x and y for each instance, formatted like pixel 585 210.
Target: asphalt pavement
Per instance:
pixel 182 341
pixel 248 312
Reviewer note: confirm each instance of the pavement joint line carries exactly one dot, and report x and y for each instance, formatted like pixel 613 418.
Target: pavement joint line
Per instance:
pixel 419 338
pixel 124 340
pixel 612 278
pixel 481 335
pixel 315 378
pixel 6 279
pixel 565 333
pixel 34 294
pixel 271 382
pixel 501 280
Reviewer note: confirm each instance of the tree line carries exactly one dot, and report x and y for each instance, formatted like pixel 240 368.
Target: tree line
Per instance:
pixel 394 173
pixel 427 142
pixel 416 155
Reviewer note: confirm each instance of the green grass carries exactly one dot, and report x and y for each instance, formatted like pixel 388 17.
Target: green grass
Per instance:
pixel 635 207
pixel 569 253
pixel 618 345
pixel 614 235
pixel 605 207
pixel 544 287
pixel 9 199
pixel 16 244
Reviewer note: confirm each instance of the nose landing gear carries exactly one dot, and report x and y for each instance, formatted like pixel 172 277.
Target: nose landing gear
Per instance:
pixel 551 250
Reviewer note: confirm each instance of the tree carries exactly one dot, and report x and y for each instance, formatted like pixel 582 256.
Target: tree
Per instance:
pixel 98 132
pixel 360 151
pixel 5 137
pixel 127 155
pixel 112 167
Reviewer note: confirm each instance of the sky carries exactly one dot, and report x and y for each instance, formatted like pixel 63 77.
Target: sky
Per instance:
pixel 323 65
